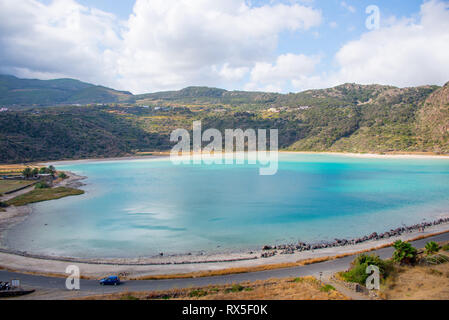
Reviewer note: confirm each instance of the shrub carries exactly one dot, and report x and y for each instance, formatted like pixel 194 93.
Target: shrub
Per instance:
pixel 405 253
pixel 51 170
pixel 327 288
pixel 357 272
pixel 43 170
pixel 41 185
pixel 62 175
pixel 432 247
pixel 3 205
pixel 197 293
pixel 235 288
pixel 27 172
pixel 445 247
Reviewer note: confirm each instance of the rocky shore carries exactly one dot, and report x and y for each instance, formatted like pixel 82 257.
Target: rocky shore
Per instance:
pixel 270 251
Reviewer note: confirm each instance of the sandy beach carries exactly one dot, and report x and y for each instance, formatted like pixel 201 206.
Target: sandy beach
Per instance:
pixel 163 155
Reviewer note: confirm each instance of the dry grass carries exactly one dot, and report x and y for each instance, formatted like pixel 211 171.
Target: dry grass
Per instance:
pixel 11 185
pixel 230 271
pixel 47 274
pixel 14 168
pixel 307 288
pixel 419 283
pixel 267 267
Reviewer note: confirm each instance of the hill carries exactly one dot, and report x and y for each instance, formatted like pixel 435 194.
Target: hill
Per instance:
pixel 208 96
pixel 71 133
pixel 433 121
pixel 347 118
pixel 32 92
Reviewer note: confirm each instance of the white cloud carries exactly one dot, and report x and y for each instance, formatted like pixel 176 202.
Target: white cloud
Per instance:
pixel 404 53
pixel 231 74
pixel 59 39
pixel 288 69
pixel 165 44
pixel 348 7
pixel 171 44
pixel 333 24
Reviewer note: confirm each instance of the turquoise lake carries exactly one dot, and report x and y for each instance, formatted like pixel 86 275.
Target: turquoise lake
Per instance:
pixel 138 208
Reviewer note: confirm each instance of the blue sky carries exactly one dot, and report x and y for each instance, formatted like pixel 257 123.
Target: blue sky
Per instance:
pixel 271 45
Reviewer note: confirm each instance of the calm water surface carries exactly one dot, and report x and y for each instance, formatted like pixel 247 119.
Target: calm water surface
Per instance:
pixel 144 207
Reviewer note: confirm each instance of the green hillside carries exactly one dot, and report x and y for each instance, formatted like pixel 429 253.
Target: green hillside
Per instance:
pixel 347 118
pixel 31 92
pixel 70 133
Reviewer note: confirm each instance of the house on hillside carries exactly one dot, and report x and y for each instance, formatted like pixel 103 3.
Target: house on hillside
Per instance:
pixel 3 109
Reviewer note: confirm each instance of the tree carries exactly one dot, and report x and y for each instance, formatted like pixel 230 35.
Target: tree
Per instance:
pixel 42 185
pixel 43 170
pixel 35 172
pixel 27 173
pixel 51 170
pixel 405 253
pixel 432 247
pixel 62 175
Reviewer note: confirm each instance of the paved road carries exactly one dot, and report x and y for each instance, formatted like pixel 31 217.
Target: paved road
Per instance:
pixel 92 286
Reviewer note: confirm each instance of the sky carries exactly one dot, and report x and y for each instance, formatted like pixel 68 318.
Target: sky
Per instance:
pixel 259 45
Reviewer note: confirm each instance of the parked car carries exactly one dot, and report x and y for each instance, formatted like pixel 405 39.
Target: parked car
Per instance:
pixel 5 286
pixel 110 281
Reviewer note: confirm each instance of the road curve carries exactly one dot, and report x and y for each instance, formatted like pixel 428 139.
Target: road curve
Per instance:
pixel 93 287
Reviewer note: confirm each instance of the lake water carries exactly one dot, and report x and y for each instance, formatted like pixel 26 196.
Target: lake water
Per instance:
pixel 143 207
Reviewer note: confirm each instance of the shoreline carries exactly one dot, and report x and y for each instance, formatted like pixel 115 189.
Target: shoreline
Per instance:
pixel 51 266
pixel 16 215
pixel 268 251
pixel 185 263
pixel 161 155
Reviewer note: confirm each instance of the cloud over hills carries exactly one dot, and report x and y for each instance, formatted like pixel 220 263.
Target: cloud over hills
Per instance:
pixel 170 44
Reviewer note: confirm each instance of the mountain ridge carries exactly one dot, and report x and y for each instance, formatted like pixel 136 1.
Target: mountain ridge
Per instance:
pixel 15 91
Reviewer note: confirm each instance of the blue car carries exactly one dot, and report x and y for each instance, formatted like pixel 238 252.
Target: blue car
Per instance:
pixel 110 281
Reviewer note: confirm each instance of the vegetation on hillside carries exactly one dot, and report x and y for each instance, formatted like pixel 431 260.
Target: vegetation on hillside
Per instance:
pixel 347 118
pixel 404 253
pixel 357 273
pixel 71 133
pixel 26 92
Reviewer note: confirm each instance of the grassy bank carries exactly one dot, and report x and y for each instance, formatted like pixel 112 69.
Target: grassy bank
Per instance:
pixel 11 185
pixel 40 195
pixel 307 288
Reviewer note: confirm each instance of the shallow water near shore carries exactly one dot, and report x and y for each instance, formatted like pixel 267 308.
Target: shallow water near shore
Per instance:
pixel 138 208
